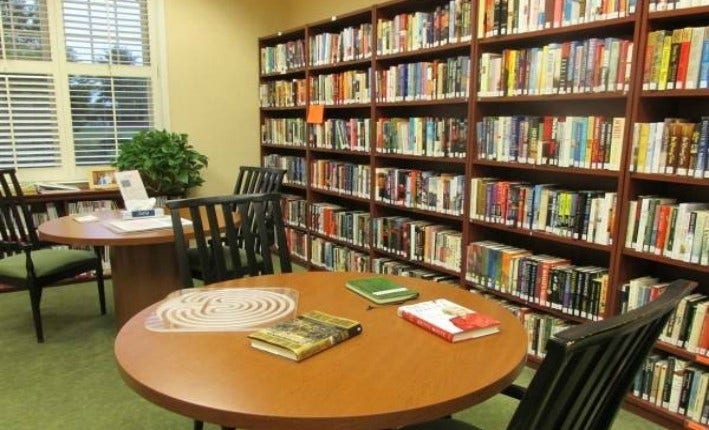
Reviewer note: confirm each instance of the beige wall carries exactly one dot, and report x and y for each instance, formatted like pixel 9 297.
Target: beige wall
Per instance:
pixel 306 12
pixel 212 71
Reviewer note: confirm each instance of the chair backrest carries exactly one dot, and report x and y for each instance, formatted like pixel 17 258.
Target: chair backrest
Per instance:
pixel 234 252
pixel 16 224
pixel 253 180
pixel 588 369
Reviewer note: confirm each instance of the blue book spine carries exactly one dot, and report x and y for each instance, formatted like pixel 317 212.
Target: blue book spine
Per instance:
pixel 704 67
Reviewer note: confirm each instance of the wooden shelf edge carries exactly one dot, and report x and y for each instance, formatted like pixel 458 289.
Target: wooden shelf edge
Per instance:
pixel 548 168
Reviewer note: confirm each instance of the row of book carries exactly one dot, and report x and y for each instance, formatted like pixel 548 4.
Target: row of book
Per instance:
pixel 348 87
pixel 425 80
pixel 502 17
pixel 283 57
pixel 674 146
pixel 389 266
pixel 662 226
pixel 407 32
pixel 297 241
pixel 427 190
pixel 342 134
pixel 543 279
pixel 342 177
pixel 296 167
pixel 337 258
pixel 425 136
pixel 585 66
pixel 335 221
pixel 677 59
pixel 688 326
pixel 660 5
pixel 418 240
pixel 592 142
pixel 282 93
pixel 283 131
pixel 351 43
pixel 295 210
pixel 674 384
pixel 587 215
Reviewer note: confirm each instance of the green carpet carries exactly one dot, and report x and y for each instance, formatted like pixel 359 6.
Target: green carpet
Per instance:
pixel 71 381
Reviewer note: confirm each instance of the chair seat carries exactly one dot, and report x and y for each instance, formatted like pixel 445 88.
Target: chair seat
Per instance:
pixel 47 262
pixel 196 267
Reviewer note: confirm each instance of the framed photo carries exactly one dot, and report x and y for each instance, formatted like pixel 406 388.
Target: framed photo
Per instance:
pixel 103 178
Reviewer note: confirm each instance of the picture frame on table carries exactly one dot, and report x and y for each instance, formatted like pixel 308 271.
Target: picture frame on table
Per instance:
pixel 103 178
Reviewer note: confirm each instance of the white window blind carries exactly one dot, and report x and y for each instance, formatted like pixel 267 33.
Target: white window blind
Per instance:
pixel 28 124
pixel 107 31
pixel 25 30
pixel 107 111
pixel 77 79
pixel 112 105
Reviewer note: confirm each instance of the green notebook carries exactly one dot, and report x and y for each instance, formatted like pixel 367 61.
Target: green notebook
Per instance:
pixel 381 290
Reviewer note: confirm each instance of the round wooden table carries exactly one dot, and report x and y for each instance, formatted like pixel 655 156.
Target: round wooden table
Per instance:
pixel 143 265
pixel 393 374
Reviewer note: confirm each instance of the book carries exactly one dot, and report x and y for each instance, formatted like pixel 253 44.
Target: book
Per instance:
pixel 305 335
pixel 381 290
pixel 449 320
pixel 143 224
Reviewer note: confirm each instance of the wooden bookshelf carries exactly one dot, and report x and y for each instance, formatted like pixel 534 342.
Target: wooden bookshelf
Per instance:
pixel 602 100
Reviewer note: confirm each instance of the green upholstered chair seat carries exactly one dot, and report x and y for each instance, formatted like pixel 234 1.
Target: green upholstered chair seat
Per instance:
pixel 195 266
pixel 47 262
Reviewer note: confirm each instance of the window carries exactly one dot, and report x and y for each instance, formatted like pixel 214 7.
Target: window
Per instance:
pixel 77 79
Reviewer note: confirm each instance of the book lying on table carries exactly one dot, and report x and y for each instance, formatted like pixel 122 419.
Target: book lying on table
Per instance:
pixel 143 224
pixel 449 320
pixel 381 290
pixel 305 336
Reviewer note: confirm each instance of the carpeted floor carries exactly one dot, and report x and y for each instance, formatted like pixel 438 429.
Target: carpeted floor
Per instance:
pixel 71 381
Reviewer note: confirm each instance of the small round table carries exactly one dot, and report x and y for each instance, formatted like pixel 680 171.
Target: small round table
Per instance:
pixel 143 264
pixel 393 374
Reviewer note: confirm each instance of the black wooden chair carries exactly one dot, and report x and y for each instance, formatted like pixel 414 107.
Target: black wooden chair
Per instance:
pixel 246 245
pixel 253 180
pixel 26 262
pixel 587 371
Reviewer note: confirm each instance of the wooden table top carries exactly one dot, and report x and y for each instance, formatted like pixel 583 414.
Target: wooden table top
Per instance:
pixel 393 374
pixel 70 232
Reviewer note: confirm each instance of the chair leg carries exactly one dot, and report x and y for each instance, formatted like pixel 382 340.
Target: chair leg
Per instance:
pixel 99 280
pixel 35 297
pixel 198 425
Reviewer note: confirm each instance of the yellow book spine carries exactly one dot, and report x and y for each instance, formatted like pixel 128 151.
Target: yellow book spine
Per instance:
pixel 642 146
pixel 664 63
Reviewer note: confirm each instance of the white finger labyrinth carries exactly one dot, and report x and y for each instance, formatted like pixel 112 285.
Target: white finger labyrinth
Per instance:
pixel 223 309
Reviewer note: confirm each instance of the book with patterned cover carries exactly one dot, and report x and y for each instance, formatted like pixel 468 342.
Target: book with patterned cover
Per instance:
pixel 305 335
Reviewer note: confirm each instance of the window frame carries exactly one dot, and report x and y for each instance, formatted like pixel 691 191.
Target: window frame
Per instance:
pixel 60 69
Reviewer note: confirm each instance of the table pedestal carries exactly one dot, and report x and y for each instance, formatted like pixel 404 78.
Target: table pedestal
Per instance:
pixel 142 275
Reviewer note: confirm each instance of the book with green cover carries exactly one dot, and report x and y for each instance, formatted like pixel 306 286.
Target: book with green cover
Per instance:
pixel 305 336
pixel 381 290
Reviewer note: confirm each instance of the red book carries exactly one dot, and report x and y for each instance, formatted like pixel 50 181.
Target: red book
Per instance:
pixel 449 320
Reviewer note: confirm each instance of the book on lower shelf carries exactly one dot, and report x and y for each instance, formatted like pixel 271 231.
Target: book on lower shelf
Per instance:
pixel 381 290
pixel 449 320
pixel 305 335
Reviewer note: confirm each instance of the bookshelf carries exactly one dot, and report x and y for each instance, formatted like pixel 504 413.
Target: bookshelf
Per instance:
pixel 450 160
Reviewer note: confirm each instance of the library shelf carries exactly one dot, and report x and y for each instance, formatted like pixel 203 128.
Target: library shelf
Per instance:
pixel 537 234
pixel 625 101
pixel 547 168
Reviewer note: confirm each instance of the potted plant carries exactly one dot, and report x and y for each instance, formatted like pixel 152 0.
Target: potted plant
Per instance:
pixel 168 165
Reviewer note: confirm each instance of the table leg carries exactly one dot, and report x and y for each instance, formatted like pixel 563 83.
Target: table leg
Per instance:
pixel 142 275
